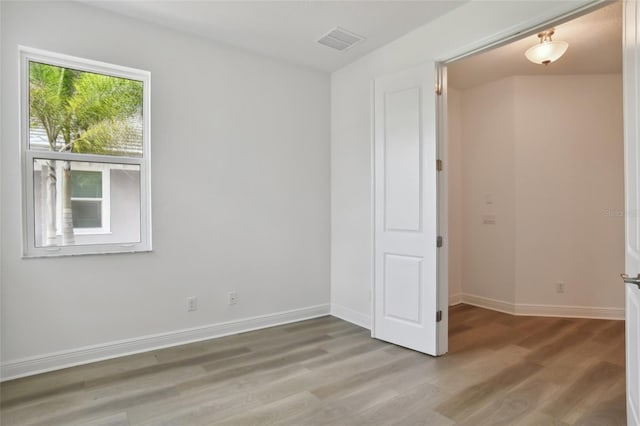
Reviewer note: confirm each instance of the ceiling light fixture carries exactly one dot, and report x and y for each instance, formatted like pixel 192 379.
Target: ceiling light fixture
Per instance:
pixel 547 50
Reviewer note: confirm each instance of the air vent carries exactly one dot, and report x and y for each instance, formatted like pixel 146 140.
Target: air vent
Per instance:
pixel 340 39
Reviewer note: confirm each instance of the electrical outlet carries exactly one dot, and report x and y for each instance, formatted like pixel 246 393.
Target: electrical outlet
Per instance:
pixel 560 287
pixel 192 304
pixel 233 298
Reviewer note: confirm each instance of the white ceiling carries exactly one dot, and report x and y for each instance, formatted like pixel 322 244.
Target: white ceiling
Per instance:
pixel 595 47
pixel 288 30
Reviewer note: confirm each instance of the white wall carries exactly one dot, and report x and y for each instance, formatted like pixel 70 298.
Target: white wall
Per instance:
pixel 240 187
pixel 544 156
pixel 470 26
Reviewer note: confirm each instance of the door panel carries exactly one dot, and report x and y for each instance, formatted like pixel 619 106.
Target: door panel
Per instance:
pixel 402 278
pixel 405 285
pixel 402 160
pixel 631 75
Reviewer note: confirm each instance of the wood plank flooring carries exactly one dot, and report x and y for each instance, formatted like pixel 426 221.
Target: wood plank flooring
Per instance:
pixel 500 370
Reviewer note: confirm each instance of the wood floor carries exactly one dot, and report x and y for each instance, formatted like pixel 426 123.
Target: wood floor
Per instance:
pixel 500 370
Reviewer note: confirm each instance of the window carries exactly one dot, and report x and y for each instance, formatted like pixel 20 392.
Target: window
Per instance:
pixel 85 152
pixel 86 200
pixel 90 200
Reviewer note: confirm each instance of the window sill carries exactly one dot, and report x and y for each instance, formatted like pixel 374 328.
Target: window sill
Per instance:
pixel 90 231
pixel 96 249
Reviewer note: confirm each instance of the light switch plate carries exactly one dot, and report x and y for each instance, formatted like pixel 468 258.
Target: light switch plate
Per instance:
pixel 488 199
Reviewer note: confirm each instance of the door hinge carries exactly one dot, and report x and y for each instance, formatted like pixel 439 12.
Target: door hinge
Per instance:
pixel 439 89
pixel 438 316
pixel 439 241
pixel 439 165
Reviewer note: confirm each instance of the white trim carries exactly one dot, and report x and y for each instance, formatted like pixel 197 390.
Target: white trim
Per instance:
pixel 349 315
pixel 631 108
pixel 63 359
pixel 372 197
pixel 82 64
pixel 570 311
pixel 538 310
pixel 488 303
pixel 82 158
pixel 442 208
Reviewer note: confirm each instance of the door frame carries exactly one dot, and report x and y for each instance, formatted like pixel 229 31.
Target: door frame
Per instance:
pixel 521 32
pixel 501 38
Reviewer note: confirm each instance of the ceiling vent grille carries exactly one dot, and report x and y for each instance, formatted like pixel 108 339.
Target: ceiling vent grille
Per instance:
pixel 340 39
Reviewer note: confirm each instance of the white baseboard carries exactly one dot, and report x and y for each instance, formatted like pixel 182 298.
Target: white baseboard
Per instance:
pixel 58 360
pixel 351 316
pixel 488 303
pixel 455 299
pixel 525 309
pixel 570 311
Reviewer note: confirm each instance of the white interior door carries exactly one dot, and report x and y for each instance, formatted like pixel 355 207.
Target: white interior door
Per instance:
pixel 631 72
pixel 405 284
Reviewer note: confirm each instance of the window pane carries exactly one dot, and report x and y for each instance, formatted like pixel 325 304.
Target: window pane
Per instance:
pixel 84 112
pixel 86 214
pixel 86 184
pixel 112 216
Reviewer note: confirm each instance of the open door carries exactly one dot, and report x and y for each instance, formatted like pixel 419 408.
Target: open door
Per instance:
pixel 405 228
pixel 631 76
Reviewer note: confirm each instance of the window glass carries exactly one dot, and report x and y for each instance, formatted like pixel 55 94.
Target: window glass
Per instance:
pixel 84 112
pixel 104 204
pixel 87 214
pixel 86 184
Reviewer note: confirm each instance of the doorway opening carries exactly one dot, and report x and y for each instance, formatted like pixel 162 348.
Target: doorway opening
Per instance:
pixel 535 175
pixel 535 199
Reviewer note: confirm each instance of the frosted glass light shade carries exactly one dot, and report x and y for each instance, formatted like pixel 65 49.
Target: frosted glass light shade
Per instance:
pixel 546 52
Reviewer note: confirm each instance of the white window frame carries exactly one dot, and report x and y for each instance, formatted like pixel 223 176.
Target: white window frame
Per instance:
pixel 105 200
pixel 28 155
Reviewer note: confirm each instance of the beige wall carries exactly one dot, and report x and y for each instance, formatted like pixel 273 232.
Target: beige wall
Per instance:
pixel 543 155
pixel 454 178
pixel 488 251
pixel 569 162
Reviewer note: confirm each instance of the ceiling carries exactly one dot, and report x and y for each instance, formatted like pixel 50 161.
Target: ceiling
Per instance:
pixel 288 30
pixel 595 47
